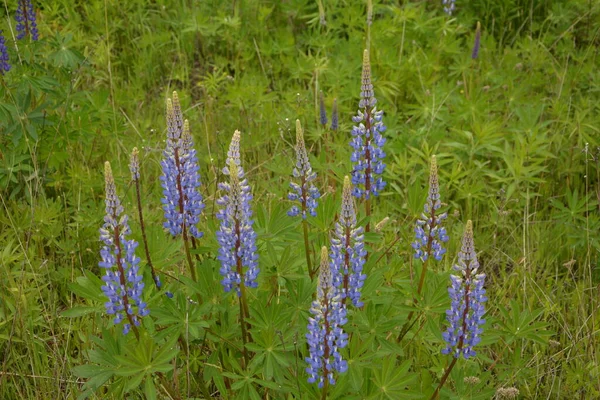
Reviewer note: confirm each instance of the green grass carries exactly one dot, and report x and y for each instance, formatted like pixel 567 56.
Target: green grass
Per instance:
pixel 516 134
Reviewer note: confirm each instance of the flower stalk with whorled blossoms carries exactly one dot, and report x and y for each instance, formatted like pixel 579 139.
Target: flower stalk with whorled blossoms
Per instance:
pixel 305 192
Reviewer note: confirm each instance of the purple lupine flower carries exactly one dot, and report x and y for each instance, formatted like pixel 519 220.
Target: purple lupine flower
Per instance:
pixel 449 6
pixel 305 192
pixel 429 232
pixel 180 179
pixel 467 296
pixel 4 64
pixel 26 22
pixel 236 235
pixel 134 164
pixel 348 251
pixel 367 140
pixel 477 42
pixel 334 116
pixel 122 283
pixel 322 111
pixel 325 335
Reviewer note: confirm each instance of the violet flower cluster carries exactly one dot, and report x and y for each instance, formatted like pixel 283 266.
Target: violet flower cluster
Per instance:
pixel 429 232
pixel 4 60
pixel 305 192
pixel 334 116
pixel 449 6
pixel 123 282
pixel 26 21
pixel 236 236
pixel 367 141
pixel 467 296
pixel 180 179
pixel 322 110
pixel 325 335
pixel 348 251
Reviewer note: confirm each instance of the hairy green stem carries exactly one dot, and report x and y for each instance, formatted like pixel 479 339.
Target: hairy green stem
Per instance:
pixel 143 226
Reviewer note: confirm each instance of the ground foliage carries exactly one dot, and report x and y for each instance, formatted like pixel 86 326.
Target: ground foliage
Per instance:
pixel 516 133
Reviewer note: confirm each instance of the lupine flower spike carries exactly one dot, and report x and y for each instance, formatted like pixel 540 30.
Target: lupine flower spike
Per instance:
pixel 367 142
pixel 429 233
pixel 467 296
pixel 477 42
pixel 305 192
pixel 122 283
pixel 465 315
pixel 449 6
pixel 180 179
pixel 334 116
pixel 236 235
pixel 4 64
pixel 322 111
pixel 348 251
pixel 325 335
pixel 134 167
pixel 26 21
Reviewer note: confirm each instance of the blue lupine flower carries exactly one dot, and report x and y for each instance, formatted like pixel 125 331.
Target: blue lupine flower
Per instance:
pixel 334 116
pixel 477 42
pixel 305 192
pixel 429 232
pixel 367 141
pixel 180 179
pixel 467 296
pixel 348 251
pixel 236 235
pixel 122 283
pixel 322 111
pixel 325 335
pixel 134 164
pixel 449 6
pixel 4 64
pixel 26 22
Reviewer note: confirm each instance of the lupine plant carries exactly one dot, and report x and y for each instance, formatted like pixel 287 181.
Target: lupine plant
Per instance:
pixel 535 206
pixel 429 233
pixel 123 282
pixel 26 20
pixel 348 251
pixel 326 335
pixel 236 235
pixel 367 142
pixel 467 296
pixel 180 180
pixel 304 191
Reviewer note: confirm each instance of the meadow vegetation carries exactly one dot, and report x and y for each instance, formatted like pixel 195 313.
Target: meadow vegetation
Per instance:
pixel 515 133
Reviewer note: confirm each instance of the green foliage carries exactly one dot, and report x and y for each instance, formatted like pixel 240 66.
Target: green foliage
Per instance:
pixel 516 133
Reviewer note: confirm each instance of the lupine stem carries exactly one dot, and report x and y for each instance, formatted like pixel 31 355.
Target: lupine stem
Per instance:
pixel 311 273
pixel 305 229
pixel 143 226
pixel 188 254
pixel 436 394
pixel 242 298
